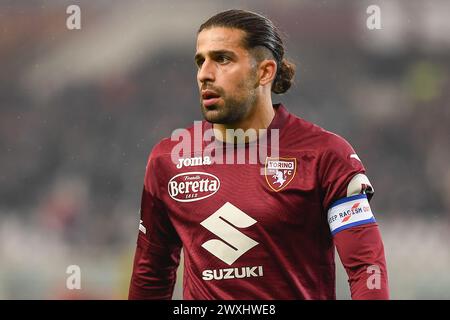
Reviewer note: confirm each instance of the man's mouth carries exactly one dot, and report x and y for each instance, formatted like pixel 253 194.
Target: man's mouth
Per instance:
pixel 210 98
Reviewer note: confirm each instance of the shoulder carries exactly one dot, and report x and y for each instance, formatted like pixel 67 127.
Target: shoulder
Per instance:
pixel 336 144
pixel 180 143
pixel 315 137
pixel 333 152
pixel 164 155
pixel 179 139
pixel 162 148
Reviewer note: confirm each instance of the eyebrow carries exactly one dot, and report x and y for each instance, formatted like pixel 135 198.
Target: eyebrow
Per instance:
pixel 214 53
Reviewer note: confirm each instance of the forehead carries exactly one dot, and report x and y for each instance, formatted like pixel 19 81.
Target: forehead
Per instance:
pixel 220 38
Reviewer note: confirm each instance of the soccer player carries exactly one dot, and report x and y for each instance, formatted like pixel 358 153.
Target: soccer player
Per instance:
pixel 264 230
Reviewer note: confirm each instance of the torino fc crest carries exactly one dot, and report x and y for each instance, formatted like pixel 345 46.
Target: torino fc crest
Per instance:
pixel 279 172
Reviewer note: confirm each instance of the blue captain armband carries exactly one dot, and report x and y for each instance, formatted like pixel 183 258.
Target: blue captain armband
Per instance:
pixel 349 212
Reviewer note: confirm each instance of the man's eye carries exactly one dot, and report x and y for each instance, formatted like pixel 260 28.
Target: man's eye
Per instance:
pixel 223 59
pixel 199 63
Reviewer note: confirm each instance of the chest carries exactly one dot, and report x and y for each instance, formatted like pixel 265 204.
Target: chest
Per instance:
pixel 279 192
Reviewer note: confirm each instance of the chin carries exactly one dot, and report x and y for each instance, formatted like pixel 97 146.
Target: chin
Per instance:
pixel 211 113
pixel 216 114
pixel 214 117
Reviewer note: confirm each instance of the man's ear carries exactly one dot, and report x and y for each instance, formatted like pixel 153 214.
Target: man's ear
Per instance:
pixel 267 71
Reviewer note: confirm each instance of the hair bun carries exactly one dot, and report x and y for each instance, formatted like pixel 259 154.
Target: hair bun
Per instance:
pixel 284 78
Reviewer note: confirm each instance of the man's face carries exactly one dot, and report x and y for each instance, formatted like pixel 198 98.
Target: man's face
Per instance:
pixel 226 75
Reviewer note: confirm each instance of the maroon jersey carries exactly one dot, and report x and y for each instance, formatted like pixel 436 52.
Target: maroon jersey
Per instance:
pixel 264 230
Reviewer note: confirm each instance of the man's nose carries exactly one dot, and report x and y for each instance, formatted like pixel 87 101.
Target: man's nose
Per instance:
pixel 206 72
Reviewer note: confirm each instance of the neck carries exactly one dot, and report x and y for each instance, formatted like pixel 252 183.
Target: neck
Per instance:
pixel 259 118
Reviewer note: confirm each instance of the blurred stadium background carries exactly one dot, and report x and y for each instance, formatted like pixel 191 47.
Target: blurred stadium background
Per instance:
pixel 81 109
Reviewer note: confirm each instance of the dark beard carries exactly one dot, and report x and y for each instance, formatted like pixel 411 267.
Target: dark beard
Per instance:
pixel 235 108
pixel 232 111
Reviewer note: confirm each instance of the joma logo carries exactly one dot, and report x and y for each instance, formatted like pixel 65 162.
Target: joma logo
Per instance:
pixel 192 162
